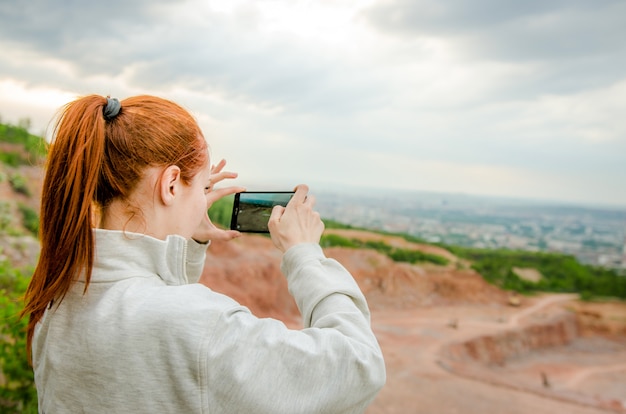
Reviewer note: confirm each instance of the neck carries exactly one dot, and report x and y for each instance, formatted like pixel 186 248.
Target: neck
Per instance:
pixel 125 216
pixel 141 212
pixel 120 215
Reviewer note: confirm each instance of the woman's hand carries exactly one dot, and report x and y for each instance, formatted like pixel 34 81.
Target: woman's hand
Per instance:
pixel 297 222
pixel 207 230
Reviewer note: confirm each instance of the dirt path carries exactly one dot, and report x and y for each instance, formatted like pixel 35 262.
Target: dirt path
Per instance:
pixel 584 374
pixel 544 302
pixel 417 383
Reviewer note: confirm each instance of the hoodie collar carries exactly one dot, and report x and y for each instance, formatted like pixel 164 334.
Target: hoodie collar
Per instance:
pixel 122 254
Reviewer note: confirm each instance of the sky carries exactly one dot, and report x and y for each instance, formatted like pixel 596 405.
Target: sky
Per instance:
pixel 522 99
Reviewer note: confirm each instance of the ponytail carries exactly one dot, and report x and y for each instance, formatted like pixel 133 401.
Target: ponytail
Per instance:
pixel 67 206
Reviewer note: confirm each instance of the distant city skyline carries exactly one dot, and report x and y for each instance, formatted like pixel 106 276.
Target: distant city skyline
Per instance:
pixel 494 98
pixel 596 236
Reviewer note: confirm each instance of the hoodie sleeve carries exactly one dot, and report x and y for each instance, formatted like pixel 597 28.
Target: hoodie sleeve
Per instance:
pixel 333 365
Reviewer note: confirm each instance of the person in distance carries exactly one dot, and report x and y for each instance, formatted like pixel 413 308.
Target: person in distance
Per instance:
pixel 117 321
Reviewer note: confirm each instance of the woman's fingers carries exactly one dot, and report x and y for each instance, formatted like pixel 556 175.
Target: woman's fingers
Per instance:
pixel 217 168
pixel 216 178
pixel 300 194
pixel 216 194
pixel 297 222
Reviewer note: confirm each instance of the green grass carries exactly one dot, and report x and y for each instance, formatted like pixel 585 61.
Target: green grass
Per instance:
pixel 561 273
pixel 394 253
pixel 17 392
pixel 34 146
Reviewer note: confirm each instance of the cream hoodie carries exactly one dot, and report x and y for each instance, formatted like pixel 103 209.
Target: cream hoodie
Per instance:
pixel 144 340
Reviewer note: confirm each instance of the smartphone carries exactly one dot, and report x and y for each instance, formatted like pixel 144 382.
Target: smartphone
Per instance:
pixel 252 209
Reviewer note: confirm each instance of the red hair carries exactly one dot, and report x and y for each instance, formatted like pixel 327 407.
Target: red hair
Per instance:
pixel 91 162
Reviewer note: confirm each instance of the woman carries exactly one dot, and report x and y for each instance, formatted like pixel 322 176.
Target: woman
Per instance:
pixel 116 322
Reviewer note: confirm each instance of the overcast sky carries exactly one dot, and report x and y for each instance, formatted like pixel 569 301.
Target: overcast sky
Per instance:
pixel 510 98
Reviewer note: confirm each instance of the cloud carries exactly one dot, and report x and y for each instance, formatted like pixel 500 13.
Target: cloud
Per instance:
pixel 296 91
pixel 534 29
pixel 154 45
pixel 88 33
pixel 575 44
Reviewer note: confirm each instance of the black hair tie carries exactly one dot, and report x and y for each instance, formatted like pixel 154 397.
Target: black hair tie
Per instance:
pixel 112 108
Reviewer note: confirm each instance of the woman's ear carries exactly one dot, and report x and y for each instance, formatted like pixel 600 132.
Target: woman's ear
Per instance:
pixel 169 185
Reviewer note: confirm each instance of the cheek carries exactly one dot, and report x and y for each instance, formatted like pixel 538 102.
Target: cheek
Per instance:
pixel 194 215
pixel 201 208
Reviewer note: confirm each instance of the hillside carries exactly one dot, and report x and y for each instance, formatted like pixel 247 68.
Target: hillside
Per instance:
pixel 21 176
pixel 455 334
pixel 248 270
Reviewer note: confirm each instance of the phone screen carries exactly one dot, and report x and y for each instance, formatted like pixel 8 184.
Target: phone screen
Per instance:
pixel 252 209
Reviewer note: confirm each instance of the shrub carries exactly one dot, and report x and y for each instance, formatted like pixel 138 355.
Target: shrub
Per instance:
pixel 12 159
pixel 19 185
pixel 30 219
pixel 330 240
pixel 379 246
pixel 5 216
pixel 35 146
pixel 221 212
pixel 17 391
pixel 395 254
pixel 414 256
pixel 562 273
pixel 331 224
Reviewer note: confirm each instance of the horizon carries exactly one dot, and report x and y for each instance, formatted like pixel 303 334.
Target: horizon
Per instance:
pixel 496 99
pixel 360 190
pixel 373 192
